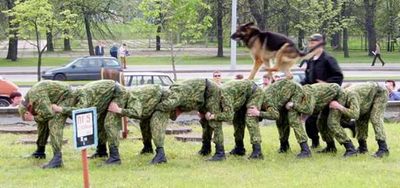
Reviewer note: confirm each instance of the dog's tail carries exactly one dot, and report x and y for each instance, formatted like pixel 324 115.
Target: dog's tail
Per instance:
pixel 302 54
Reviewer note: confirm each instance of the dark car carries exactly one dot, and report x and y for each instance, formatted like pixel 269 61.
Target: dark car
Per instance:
pixel 85 68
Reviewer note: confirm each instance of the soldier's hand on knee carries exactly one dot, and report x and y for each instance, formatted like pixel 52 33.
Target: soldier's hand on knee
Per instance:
pixel 289 105
pixel 335 105
pixel 253 111
pixel 209 116
pixel 56 108
pixel 113 107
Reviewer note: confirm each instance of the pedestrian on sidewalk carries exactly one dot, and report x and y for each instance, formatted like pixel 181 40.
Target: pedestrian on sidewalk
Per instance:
pixel 377 54
pixel 123 52
pixel 114 51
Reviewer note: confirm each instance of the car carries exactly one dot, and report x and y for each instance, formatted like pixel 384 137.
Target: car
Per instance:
pixel 297 77
pixel 133 79
pixel 84 68
pixel 6 88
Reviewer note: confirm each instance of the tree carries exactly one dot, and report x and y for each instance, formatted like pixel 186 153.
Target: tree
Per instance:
pixel 178 17
pixel 37 16
pixel 370 10
pixel 12 52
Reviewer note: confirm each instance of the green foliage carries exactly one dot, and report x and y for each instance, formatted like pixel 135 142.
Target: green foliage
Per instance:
pixel 177 16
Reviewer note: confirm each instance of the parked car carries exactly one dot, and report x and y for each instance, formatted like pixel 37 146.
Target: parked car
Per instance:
pixel 6 88
pixel 297 77
pixel 84 68
pixel 136 79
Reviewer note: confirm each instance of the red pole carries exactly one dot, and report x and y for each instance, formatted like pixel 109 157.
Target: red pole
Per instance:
pixel 85 169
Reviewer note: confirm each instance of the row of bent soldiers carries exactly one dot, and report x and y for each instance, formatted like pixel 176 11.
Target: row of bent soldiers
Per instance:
pixel 50 103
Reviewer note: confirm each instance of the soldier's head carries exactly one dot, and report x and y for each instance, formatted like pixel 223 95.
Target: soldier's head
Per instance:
pixel 25 110
pixel 217 77
pixel 16 98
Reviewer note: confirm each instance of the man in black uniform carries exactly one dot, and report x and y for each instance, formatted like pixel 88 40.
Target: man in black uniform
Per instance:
pixel 321 68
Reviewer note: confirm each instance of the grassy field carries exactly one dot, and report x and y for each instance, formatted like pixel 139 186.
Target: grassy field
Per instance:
pixel 186 169
pixel 186 59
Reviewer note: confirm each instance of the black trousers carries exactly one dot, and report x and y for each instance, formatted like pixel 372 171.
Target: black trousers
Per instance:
pixel 380 59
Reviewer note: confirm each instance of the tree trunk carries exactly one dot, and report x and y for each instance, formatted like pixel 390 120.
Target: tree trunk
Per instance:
pixel 300 39
pixel 220 29
pixel 88 34
pixel 257 13
pixel 345 43
pixel 39 52
pixel 370 9
pixel 50 44
pixel 335 43
pixel 158 39
pixel 173 58
pixel 12 51
pixel 67 44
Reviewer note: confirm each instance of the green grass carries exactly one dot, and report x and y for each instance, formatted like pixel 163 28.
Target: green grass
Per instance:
pixel 186 169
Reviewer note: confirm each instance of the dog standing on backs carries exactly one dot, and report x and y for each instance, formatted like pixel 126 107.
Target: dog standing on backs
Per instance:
pixel 266 46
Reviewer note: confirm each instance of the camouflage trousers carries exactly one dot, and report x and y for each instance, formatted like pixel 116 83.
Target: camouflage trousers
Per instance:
pixel 240 121
pixel 287 119
pixel 329 126
pixel 375 116
pixel 53 128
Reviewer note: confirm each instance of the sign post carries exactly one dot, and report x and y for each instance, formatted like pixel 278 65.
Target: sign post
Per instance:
pixel 85 136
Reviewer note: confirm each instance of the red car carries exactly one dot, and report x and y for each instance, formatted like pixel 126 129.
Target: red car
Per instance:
pixel 6 88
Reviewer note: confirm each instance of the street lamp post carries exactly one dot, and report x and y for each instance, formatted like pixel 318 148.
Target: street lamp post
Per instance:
pixel 233 29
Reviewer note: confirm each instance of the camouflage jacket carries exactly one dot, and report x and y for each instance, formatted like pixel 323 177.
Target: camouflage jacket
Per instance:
pixel 281 92
pixel 188 95
pixel 236 95
pixel 96 94
pixel 323 93
pixel 148 96
pixel 45 93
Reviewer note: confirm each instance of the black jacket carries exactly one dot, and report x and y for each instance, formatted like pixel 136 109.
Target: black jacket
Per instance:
pixel 325 68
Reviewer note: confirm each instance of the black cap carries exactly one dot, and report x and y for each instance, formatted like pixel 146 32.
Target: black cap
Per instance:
pixel 316 37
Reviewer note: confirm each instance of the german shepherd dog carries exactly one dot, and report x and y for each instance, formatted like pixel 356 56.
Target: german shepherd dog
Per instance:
pixel 266 46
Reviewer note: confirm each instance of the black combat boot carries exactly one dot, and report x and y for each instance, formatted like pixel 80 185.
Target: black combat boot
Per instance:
pixel 219 153
pixel 315 143
pixel 305 151
pixel 383 149
pixel 284 147
pixel 256 154
pixel 160 156
pixel 239 149
pixel 114 158
pixel 147 148
pixel 101 151
pixel 330 148
pixel 205 148
pixel 55 162
pixel 350 149
pixel 362 146
pixel 38 154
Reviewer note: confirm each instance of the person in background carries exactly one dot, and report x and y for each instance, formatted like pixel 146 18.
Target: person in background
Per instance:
pixel 114 51
pixel 123 52
pixel 217 77
pixel 377 54
pixel 16 99
pixel 322 68
pixel 99 49
pixel 393 94
pixel 239 77
pixel 266 81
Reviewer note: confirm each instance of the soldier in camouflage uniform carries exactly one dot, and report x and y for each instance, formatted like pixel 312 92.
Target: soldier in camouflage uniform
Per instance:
pixel 285 101
pixel 194 94
pixel 139 104
pixel 238 96
pixel 97 94
pixel 365 102
pixel 38 102
pixel 329 125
